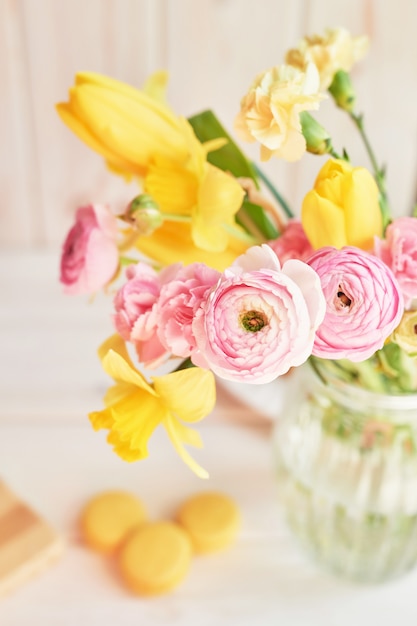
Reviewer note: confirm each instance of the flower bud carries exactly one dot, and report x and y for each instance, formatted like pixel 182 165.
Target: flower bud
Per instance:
pixel 317 138
pixel 342 91
pixel 144 213
pixel 342 209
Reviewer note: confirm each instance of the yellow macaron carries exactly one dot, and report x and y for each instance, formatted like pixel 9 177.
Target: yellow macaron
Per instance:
pixel 108 518
pixel 211 519
pixel 155 558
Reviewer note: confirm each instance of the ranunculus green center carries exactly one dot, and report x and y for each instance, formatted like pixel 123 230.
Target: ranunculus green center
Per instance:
pixel 253 320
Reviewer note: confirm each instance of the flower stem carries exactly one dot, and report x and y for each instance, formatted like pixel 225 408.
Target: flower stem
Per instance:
pixel 173 217
pixel 128 241
pixel 334 154
pixel 378 171
pixel 184 365
pixel 240 234
pixel 278 197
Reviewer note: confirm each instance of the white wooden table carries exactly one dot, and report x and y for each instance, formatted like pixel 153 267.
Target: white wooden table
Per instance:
pixel 50 378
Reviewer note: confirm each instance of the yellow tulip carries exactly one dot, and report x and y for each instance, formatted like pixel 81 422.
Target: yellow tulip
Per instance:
pixel 134 408
pixel 126 126
pixel 343 207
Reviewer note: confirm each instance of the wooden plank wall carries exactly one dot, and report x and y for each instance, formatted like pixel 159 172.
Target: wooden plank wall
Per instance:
pixel 212 49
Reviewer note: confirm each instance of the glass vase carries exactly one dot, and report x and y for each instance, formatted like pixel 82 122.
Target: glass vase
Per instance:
pixel 347 475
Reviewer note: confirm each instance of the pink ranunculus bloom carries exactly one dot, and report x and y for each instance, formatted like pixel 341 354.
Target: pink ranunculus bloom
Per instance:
pixel 135 317
pixel 259 320
pixel 364 303
pixel 90 256
pixel 292 244
pixel 399 251
pixel 178 301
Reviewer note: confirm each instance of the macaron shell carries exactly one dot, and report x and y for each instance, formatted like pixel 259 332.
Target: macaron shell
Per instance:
pixel 155 558
pixel 212 520
pixel 109 517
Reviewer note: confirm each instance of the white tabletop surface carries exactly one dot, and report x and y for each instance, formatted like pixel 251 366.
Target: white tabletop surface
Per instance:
pixel 49 455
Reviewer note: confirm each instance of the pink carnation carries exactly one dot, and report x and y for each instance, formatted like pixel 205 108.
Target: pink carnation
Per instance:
pixel 399 251
pixel 259 320
pixel 364 303
pixel 135 318
pixel 179 299
pixel 90 256
pixel 292 244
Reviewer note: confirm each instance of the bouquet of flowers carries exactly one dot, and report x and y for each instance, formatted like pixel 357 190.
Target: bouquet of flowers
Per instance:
pixel 210 269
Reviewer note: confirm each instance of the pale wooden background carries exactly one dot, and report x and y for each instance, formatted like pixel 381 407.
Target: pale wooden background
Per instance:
pixel 212 49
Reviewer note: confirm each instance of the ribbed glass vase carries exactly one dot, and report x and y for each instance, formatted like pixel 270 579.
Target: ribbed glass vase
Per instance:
pixel 347 475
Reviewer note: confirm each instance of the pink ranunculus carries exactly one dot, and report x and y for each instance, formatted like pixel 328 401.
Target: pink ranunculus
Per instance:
pixel 259 320
pixel 90 256
pixel 135 304
pixel 364 303
pixel 292 244
pixel 399 251
pixel 178 301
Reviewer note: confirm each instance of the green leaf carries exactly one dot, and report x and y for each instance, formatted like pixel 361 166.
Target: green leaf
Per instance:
pixel 252 217
pixel 229 158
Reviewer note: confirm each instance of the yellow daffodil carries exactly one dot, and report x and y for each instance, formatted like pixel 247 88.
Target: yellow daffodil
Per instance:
pixel 336 50
pixel 172 242
pixel 270 112
pixel 196 190
pixel 134 408
pixel 125 125
pixel 138 135
pixel 343 207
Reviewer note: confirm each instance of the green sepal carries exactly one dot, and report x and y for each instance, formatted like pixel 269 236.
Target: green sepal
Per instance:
pixel 229 158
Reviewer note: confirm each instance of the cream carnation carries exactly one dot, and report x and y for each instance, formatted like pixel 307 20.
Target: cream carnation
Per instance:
pixel 336 50
pixel 269 113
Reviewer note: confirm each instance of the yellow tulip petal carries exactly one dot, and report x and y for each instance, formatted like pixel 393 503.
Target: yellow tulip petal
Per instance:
pixel 334 166
pixel 363 214
pixel 190 394
pixel 116 367
pixel 156 86
pixel 172 243
pixel 331 188
pixel 78 127
pixel 174 433
pixel 323 222
pixel 136 95
pixel 125 129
